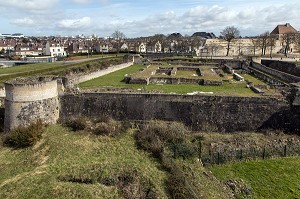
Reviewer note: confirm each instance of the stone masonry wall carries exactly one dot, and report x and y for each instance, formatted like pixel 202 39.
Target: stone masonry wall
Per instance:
pixel 286 67
pixel 28 100
pixel 90 76
pixel 288 78
pixel 219 113
pixel 24 113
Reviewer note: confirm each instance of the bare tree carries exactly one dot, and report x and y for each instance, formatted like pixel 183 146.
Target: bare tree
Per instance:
pixel 197 43
pixel 271 43
pixel 262 42
pixel 213 49
pixel 255 44
pixel 118 37
pixel 287 40
pixel 228 34
pixel 297 42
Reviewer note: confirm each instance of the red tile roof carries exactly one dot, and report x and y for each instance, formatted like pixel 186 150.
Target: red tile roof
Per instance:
pixel 284 29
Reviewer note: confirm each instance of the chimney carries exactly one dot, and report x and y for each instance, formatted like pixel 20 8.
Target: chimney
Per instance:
pixel 287 24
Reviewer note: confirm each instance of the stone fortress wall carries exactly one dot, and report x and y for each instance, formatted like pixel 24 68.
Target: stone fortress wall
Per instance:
pixel 200 112
pixel 42 98
pixel 30 99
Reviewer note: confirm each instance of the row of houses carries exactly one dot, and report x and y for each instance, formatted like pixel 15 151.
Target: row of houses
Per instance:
pixel 201 43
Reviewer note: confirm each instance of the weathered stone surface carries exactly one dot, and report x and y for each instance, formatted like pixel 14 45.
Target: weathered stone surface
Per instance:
pixel 28 100
pixel 224 114
pixel 286 67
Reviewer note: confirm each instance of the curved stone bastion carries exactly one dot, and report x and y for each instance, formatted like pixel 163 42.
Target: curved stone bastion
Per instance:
pixel 30 99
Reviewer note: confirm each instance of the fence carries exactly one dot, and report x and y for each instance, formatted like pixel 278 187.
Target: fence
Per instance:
pixel 211 156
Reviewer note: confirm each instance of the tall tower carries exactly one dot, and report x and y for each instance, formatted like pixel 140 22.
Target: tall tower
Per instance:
pixel 30 99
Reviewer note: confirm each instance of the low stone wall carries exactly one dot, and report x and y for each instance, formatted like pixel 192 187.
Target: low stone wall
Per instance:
pixel 170 80
pixel 200 112
pixel 281 75
pixel 286 67
pixel 265 77
pixel 93 75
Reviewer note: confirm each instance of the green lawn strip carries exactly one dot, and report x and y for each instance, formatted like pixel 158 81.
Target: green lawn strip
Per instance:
pixel 43 66
pixel 115 80
pixel 252 79
pixel 275 178
pixel 187 74
pixel 29 67
pixel 35 172
pixel 56 68
pixel 78 57
pixel 145 73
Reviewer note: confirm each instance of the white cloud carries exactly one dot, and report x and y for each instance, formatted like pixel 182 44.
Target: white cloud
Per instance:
pixel 81 1
pixel 215 18
pixel 28 5
pixel 75 23
pixel 137 19
pixel 23 22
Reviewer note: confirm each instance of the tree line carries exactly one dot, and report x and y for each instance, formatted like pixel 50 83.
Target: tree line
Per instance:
pixel 260 43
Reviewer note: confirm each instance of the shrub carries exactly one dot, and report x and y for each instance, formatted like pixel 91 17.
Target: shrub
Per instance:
pixel 23 137
pixel 155 135
pixel 178 185
pixel 110 128
pixel 183 150
pixel 151 142
pixel 129 181
pixel 133 185
pixel 76 124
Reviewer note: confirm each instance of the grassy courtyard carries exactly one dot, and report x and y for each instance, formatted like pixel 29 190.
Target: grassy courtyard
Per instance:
pixel 115 79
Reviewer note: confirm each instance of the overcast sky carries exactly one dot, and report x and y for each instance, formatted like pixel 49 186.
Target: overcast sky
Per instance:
pixel 144 17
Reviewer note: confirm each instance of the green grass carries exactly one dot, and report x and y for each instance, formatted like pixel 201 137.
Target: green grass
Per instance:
pixel 29 67
pixel 35 172
pixel 276 178
pixel 115 80
pixel 187 74
pixel 252 79
pixel 55 68
pixel 85 56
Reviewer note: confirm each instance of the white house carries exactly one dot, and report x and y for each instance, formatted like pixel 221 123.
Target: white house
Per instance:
pixel 54 49
pixel 142 48
pixel 157 47
pixel 103 47
pixel 124 47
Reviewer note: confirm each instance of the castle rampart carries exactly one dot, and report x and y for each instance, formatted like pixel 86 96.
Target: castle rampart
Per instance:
pixel 218 113
pixel 28 100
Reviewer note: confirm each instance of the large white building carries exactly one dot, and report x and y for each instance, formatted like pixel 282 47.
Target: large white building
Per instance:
pixel 54 49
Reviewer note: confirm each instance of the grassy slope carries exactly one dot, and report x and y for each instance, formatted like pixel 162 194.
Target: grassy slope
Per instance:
pixel 34 172
pixel 40 69
pixel 115 80
pixel 276 178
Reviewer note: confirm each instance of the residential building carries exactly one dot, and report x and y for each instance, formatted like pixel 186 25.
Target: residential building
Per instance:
pixel 54 49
